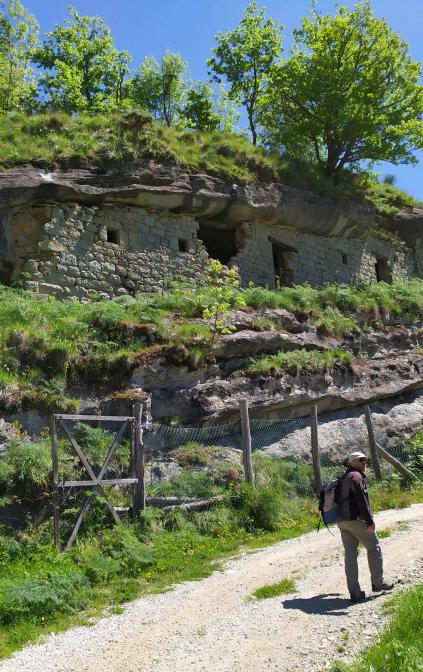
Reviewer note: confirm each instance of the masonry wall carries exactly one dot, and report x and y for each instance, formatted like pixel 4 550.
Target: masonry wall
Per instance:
pixel 110 250
pixel 116 249
pixel 315 259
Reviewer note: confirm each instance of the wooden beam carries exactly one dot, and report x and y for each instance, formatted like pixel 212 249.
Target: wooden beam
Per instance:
pixel 247 458
pixel 94 418
pixel 78 451
pixel 198 505
pixel 55 476
pixel 113 447
pixel 372 443
pixel 315 448
pixel 139 488
pixel 396 464
pixel 104 481
pixel 84 510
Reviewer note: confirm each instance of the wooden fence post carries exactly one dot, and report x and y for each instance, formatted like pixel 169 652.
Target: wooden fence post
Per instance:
pixel 55 473
pixel 139 488
pixel 372 443
pixel 315 449
pixel 396 464
pixel 246 442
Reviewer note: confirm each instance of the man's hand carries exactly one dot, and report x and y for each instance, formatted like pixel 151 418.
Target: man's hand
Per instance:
pixel 371 528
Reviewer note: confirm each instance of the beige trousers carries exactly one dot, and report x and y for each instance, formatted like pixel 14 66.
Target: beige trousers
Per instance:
pixel 354 532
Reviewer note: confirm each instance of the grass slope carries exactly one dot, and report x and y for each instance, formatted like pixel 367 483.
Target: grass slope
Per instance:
pixel 51 350
pixel 400 648
pixel 112 141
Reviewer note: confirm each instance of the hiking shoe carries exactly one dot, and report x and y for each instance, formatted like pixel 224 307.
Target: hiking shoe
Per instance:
pixel 385 585
pixel 358 598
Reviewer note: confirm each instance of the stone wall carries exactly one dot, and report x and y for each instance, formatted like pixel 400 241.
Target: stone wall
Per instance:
pixel 109 250
pixel 75 250
pixel 316 259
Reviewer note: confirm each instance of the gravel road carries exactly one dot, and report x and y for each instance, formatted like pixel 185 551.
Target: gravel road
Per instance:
pixel 213 626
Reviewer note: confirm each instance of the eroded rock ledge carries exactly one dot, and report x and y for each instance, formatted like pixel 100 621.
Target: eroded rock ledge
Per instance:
pixel 173 189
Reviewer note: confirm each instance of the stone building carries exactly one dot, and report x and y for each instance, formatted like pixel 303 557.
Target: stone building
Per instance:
pixel 78 235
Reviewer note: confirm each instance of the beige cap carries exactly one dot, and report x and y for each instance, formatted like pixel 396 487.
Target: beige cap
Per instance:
pixel 356 456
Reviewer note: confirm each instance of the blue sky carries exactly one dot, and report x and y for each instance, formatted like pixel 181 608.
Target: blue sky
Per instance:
pixel 144 27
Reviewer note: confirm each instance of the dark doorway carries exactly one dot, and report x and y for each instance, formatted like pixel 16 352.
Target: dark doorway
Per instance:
pixel 6 271
pixel 383 270
pixel 220 242
pixel 284 276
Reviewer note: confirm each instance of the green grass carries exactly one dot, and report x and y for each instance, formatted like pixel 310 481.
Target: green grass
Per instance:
pixel 122 140
pixel 274 589
pixel 400 648
pixel 42 591
pixel 385 533
pixel 300 361
pixel 49 349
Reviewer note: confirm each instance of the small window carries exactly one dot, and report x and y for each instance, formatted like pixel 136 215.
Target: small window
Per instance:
pixel 345 259
pixel 182 245
pixel 113 236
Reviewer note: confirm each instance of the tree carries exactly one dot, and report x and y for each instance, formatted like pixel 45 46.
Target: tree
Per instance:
pixel 18 37
pixel 350 91
pixel 83 68
pixel 245 57
pixel 160 87
pixel 199 110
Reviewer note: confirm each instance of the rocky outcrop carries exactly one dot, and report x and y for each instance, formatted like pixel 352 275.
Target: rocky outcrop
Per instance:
pixel 173 189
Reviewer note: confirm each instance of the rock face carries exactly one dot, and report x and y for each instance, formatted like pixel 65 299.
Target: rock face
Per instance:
pixel 83 232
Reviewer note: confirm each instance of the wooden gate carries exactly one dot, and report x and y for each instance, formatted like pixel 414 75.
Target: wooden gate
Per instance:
pixel 96 482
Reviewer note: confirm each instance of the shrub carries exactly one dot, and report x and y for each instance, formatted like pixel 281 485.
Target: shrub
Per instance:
pixel 191 454
pixel 258 508
pixel 60 592
pixel 121 544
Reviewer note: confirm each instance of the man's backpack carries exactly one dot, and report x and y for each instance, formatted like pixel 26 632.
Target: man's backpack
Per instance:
pixel 330 503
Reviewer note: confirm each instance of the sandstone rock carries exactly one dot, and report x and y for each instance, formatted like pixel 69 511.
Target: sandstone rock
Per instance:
pixel 244 343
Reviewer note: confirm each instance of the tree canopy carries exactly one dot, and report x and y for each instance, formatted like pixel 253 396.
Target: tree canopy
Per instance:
pixel 18 38
pixel 350 92
pixel 348 95
pixel 82 67
pixel 160 87
pixel 245 56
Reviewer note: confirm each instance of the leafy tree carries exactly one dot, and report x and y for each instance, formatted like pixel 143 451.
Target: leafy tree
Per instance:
pixel 199 110
pixel 18 37
pixel 245 57
pixel 350 91
pixel 84 70
pixel 160 87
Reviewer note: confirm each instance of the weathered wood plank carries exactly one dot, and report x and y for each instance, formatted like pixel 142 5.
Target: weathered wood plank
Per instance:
pixel 55 475
pixel 113 447
pixel 98 418
pixel 315 448
pixel 246 442
pixel 395 463
pixel 372 443
pixel 139 490
pixel 104 481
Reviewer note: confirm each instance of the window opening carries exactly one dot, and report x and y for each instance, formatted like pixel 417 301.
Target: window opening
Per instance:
pixel 284 276
pixel 182 245
pixel 383 270
pixel 113 236
pixel 220 242
pixel 345 259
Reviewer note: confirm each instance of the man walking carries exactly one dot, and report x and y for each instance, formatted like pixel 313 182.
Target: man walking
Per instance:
pixel 357 526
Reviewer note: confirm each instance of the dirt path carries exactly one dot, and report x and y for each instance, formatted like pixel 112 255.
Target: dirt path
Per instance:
pixel 212 626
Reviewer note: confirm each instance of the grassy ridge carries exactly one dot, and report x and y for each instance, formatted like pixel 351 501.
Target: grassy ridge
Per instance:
pixel 111 141
pixel 49 349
